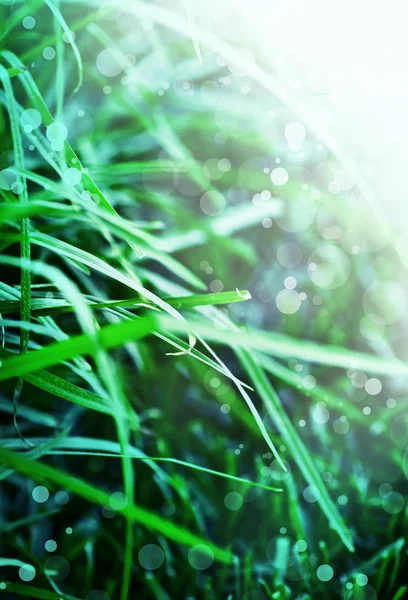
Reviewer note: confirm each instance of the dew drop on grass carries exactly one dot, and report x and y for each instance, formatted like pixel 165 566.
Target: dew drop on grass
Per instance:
pixel 118 501
pixel 26 572
pixel 216 286
pixel 49 53
pixel 320 414
pixel 151 557
pixel 325 572
pixel 373 386
pixel 57 133
pixel 311 494
pixel 393 503
pixel 50 545
pixel 361 579
pixel 224 165
pixel 72 176
pixel 288 301
pixel 29 22
pixel 341 425
pixel 69 37
pixel 358 379
pixel 290 283
pixel 279 176
pixel 212 203
pixel 384 488
pixel 309 382
pixel 40 494
pixel 200 557
pixel 17 187
pixel 30 119
pixel 108 512
pixel 233 501
pixel 7 178
pixel 110 62
pixel 301 546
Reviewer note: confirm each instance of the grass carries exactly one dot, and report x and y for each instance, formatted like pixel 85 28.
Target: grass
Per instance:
pixel 202 380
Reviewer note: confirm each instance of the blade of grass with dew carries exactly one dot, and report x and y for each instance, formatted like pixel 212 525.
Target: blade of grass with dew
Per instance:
pixel 34 592
pixel 36 452
pixel 135 454
pixel 12 525
pixel 69 38
pixel 294 443
pixel 61 388
pixel 135 514
pixel 25 251
pixel 285 347
pixel 110 336
pixel 92 341
pixel 318 392
pixel 38 102
pixel 47 306
pixel 95 447
pixel 98 264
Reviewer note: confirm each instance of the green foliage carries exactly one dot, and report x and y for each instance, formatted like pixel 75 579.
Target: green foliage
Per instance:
pixel 140 223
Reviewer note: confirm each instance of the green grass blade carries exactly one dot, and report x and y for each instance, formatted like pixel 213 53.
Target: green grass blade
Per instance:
pixel 292 440
pixel 135 514
pixel 57 14
pixel 284 347
pixel 34 592
pixel 110 336
pixel 45 306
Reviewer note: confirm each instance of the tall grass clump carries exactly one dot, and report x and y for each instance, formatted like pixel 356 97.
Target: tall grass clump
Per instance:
pixel 202 370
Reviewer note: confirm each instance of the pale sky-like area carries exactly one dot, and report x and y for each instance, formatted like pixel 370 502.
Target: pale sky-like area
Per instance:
pixel 345 62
